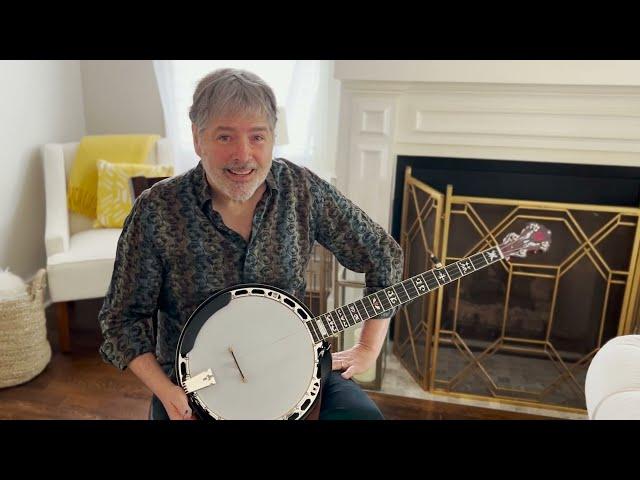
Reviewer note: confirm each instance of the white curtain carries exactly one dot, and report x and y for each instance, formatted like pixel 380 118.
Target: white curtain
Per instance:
pixel 302 89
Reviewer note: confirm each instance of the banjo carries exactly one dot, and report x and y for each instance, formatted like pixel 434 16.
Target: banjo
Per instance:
pixel 253 351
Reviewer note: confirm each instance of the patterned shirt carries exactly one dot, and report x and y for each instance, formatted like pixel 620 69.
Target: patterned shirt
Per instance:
pixel 175 252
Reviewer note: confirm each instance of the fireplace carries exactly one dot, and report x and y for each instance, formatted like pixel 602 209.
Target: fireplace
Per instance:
pixel 527 329
pixel 564 132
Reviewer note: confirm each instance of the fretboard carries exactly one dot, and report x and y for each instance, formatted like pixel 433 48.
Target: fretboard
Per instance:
pixel 338 320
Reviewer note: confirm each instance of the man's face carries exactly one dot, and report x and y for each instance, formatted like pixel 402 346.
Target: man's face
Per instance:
pixel 236 153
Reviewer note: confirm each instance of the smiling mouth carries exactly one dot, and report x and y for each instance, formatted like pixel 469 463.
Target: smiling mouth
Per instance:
pixel 239 173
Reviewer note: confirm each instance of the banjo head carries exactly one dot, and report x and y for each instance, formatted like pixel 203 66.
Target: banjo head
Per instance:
pixel 252 341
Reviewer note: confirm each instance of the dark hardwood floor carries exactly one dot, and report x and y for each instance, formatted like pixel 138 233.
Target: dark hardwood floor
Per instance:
pixel 81 386
pixel 77 386
pixel 395 407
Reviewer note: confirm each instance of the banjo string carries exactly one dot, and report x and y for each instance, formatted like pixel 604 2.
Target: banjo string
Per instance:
pixel 258 349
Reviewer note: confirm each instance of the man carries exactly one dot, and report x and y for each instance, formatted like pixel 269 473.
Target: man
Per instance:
pixel 239 216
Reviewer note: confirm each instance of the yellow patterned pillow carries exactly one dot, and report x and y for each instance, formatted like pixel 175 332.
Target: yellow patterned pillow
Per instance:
pixel 114 189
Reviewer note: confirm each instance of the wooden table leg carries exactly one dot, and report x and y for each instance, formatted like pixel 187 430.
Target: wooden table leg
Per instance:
pixel 63 326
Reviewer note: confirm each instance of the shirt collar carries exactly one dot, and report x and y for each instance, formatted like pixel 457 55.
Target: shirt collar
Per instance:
pixel 203 191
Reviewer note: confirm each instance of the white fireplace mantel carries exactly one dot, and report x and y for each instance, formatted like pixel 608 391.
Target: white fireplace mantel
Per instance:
pixel 584 112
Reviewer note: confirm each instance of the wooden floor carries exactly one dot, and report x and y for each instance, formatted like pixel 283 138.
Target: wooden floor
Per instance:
pixel 81 386
pixel 77 386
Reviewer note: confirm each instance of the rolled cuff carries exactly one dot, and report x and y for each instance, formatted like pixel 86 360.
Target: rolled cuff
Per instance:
pixel 122 347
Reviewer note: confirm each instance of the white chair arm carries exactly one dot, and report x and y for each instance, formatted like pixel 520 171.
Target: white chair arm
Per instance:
pixel 56 234
pixel 612 384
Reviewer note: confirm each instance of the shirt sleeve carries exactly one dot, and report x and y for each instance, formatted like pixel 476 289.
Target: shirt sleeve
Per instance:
pixel 126 316
pixel 357 242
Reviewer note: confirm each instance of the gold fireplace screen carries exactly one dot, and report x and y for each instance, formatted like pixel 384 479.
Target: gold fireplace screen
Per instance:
pixel 522 331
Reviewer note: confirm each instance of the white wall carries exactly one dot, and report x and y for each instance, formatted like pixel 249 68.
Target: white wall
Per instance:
pixel 40 102
pixel 333 116
pixel 121 96
pixel 329 103
pixel 556 72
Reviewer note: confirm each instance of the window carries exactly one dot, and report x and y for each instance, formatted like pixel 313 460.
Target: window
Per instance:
pixel 301 88
pixel 187 74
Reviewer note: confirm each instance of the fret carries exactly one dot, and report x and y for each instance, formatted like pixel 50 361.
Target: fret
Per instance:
pixel 314 333
pixel 382 297
pixel 342 318
pixel 430 279
pixel 317 328
pixel 453 271
pixel 441 277
pixel 320 327
pixel 419 285
pixel 336 320
pixel 363 308
pixel 369 304
pixel 325 322
pixel 402 292
pixel 409 286
pixel 357 318
pixel 375 304
pixel 348 316
pixel 478 261
pixel 493 255
pixel 332 323
pixel 466 266
pixel 392 296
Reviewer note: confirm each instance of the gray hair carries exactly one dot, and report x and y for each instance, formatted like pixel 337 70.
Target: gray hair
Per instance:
pixel 230 91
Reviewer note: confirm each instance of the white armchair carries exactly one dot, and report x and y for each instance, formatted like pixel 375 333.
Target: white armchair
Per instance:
pixel 612 385
pixel 79 258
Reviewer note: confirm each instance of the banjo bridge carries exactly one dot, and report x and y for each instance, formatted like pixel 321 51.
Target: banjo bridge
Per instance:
pixel 200 381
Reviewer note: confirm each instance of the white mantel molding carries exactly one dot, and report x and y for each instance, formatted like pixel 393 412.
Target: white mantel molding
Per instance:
pixel 582 124
pixel 525 72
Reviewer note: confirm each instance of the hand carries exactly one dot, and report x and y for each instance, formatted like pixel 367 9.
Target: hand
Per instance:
pixel 355 360
pixel 176 404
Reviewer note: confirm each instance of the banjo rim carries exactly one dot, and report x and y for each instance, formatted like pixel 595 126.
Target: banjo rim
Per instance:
pixel 298 411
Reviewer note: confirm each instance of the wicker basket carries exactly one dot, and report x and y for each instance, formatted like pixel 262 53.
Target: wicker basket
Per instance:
pixel 24 348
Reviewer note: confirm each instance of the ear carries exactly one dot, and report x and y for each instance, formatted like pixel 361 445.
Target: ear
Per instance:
pixel 196 140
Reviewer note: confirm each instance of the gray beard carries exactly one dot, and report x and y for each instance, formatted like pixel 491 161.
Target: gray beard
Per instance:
pixel 236 194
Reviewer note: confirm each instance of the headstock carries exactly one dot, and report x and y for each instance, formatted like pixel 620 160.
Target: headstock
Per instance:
pixel 534 238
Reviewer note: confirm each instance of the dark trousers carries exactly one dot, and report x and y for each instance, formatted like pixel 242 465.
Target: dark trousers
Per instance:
pixel 341 400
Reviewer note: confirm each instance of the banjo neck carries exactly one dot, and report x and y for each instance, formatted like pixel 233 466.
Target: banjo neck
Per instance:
pixel 534 238
pixel 338 320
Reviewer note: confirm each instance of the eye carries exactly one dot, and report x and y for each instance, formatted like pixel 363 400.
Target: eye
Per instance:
pixel 259 138
pixel 224 138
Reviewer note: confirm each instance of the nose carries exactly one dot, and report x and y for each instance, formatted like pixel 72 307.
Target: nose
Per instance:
pixel 243 150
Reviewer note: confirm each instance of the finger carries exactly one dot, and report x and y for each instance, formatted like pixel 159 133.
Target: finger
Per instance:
pixel 174 412
pixel 349 372
pixel 175 415
pixel 336 364
pixel 184 409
